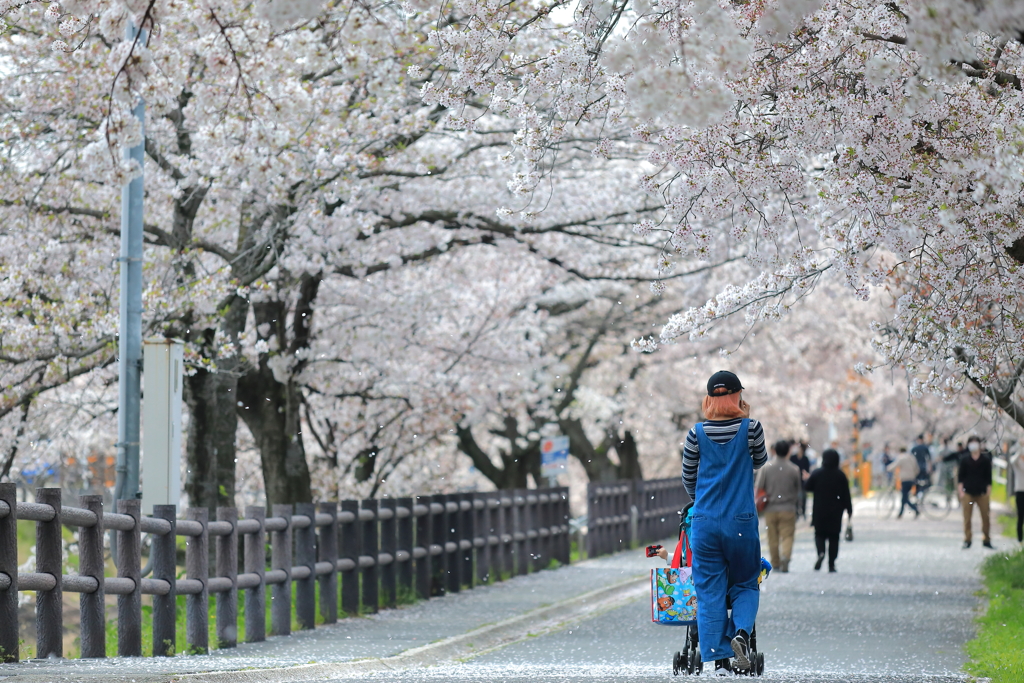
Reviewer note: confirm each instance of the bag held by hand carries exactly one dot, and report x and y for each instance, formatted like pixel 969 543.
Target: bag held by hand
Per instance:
pixel 673 596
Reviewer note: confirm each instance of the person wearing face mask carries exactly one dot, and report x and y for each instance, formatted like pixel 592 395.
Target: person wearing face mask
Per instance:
pixel 1017 464
pixel 974 485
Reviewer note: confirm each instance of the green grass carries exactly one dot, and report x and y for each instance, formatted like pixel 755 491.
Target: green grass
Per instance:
pixel 997 652
pixel 999 493
pixel 1009 524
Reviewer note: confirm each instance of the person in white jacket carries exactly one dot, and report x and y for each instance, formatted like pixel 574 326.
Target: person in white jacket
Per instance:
pixel 909 469
pixel 1017 463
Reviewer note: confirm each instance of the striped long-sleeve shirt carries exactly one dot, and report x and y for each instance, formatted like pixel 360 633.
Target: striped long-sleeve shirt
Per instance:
pixel 720 432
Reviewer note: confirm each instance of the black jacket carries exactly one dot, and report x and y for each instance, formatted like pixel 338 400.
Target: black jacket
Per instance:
pixel 831 491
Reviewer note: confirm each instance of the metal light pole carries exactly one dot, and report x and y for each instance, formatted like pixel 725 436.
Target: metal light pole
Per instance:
pixel 129 367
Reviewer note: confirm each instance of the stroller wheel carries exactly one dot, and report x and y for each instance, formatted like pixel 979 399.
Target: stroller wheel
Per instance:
pixel 759 664
pixel 678 663
pixel 698 665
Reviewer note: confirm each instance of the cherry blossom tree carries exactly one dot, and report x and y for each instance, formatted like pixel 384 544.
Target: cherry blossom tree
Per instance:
pixel 877 143
pixel 278 161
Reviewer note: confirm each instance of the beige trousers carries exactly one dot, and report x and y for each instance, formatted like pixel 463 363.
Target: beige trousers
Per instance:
pixel 969 502
pixel 781 527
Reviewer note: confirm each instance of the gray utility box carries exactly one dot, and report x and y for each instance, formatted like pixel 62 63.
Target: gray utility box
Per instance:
pixel 162 373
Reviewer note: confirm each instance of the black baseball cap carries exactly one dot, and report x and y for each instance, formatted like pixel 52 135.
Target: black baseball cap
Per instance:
pixel 723 379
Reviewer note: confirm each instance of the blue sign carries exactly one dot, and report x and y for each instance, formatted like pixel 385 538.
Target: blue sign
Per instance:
pixel 554 453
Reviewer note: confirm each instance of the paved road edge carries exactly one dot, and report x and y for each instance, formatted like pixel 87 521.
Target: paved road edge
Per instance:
pixel 454 648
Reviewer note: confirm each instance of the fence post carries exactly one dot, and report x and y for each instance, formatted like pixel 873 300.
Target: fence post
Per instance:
pixel 405 543
pixel 371 588
pixel 438 535
pixel 424 527
pixel 350 551
pixel 49 604
pixel 281 559
pixel 646 499
pixel 627 516
pixel 327 551
pixel 163 552
pixel 90 563
pixel 9 649
pixel 594 533
pixel 387 546
pixel 129 566
pixel 544 516
pixel 453 533
pixel 467 532
pixel 255 562
pixel 227 567
pixel 483 532
pixel 564 517
pixel 519 532
pixel 305 556
pixel 505 530
pixel 197 567
pixel 533 525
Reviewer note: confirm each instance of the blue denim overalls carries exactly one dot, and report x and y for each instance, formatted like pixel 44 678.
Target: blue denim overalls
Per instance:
pixel 725 543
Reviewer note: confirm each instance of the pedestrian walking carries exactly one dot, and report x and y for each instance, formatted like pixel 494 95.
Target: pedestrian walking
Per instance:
pixel 948 460
pixel 887 460
pixel 798 456
pixel 1017 465
pixel 719 460
pixel 909 470
pixel 831 491
pixel 974 480
pixel 781 481
pixel 923 454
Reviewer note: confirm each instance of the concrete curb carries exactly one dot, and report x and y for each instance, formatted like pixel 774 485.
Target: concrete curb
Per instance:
pixel 464 646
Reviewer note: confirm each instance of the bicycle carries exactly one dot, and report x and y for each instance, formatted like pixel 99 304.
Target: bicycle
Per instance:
pixel 887 500
pixel 936 502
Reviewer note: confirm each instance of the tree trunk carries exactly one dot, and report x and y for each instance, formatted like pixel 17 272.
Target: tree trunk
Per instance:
pixel 271 412
pixel 211 397
pixel 516 463
pixel 594 459
pixel 629 457
pixel 272 409
pixel 210 478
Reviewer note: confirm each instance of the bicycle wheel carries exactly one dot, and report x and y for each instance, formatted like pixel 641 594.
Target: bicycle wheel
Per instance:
pixel 935 504
pixel 886 503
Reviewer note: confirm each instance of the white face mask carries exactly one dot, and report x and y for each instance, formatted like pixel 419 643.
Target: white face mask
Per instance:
pixel 973 447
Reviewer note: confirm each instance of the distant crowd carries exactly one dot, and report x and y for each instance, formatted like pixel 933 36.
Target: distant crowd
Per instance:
pixel 960 468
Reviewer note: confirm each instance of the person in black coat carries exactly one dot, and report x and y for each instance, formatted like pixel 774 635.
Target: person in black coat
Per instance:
pixel 831 491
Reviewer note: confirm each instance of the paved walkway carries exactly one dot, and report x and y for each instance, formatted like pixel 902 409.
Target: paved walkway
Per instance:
pixel 899 609
pixel 379 635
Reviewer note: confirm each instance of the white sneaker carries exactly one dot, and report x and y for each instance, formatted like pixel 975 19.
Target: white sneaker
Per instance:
pixel 741 648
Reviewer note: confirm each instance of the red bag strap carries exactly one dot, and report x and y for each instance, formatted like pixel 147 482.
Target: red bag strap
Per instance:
pixel 677 554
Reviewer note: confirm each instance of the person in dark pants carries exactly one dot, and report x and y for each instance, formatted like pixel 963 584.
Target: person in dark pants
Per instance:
pixel 923 455
pixel 909 473
pixel 831 491
pixel 798 456
pixel 975 486
pixel 1017 465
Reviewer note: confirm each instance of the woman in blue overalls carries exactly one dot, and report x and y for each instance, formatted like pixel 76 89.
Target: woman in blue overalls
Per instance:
pixel 719 460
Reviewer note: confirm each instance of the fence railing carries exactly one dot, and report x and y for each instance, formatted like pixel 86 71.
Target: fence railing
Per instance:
pixel 621 514
pixel 373 548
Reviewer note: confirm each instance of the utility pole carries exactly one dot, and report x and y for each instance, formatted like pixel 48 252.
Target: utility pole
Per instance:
pixel 129 366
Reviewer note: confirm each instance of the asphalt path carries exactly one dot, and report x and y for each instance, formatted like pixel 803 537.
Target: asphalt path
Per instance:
pixel 899 609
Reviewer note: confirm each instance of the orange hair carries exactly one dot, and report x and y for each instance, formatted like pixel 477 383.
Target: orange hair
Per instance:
pixel 724 407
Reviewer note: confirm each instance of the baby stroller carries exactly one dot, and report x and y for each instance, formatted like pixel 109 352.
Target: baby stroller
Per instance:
pixel 688 660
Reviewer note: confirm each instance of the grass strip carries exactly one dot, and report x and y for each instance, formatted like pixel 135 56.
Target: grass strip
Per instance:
pixel 997 651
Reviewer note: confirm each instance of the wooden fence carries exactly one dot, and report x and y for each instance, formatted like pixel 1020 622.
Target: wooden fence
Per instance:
pixel 621 514
pixel 359 553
